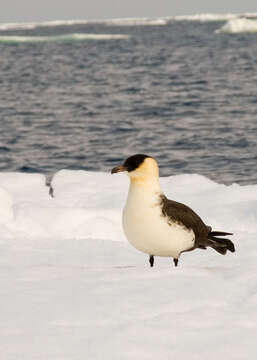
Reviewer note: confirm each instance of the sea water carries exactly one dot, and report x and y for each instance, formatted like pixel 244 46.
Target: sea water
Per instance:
pixel 86 95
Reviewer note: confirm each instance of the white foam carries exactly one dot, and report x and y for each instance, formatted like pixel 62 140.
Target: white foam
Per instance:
pixel 241 25
pixel 65 37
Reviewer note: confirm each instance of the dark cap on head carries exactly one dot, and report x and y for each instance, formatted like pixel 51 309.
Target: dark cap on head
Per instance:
pixel 131 163
pixel 134 161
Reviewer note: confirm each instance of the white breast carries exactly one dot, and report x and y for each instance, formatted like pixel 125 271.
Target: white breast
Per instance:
pixel 148 230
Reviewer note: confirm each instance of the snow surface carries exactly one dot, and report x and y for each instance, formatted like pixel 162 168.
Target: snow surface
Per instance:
pixel 72 288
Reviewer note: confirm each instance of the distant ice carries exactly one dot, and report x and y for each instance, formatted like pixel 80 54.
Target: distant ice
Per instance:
pixel 206 17
pixel 71 287
pixel 114 22
pixel 138 21
pixel 143 21
pixel 33 25
pixel 65 37
pixel 236 26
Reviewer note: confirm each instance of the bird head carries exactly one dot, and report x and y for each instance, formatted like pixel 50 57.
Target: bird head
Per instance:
pixel 139 167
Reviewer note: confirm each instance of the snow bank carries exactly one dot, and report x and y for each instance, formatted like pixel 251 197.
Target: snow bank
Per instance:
pixel 236 26
pixel 88 204
pixel 68 291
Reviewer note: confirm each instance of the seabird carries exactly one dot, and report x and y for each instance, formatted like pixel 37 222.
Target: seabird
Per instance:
pixel 158 226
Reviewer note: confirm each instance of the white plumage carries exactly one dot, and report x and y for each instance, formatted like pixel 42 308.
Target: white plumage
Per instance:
pixel 159 226
pixel 145 227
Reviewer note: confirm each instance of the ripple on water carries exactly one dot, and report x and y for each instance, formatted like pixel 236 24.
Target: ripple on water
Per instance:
pixel 180 92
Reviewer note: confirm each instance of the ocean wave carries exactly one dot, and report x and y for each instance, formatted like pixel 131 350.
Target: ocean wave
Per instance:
pixel 66 37
pixel 242 25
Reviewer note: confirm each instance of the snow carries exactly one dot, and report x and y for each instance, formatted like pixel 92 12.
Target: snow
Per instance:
pixel 71 287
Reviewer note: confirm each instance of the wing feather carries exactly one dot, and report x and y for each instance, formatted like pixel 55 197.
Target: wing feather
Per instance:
pixel 184 215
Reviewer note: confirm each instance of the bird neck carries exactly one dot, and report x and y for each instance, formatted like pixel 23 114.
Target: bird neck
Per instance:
pixel 145 186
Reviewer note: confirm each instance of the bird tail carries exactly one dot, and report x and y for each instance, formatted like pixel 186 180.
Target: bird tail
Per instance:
pixel 220 244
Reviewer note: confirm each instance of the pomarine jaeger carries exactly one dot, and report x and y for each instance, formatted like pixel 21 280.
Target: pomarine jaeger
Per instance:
pixel 158 226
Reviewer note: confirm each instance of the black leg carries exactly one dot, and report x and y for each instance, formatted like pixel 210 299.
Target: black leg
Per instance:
pixel 151 260
pixel 175 262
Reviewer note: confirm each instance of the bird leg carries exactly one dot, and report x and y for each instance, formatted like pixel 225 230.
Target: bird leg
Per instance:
pixel 151 260
pixel 175 262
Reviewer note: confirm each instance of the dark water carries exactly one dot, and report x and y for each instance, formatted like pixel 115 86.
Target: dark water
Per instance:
pixel 179 92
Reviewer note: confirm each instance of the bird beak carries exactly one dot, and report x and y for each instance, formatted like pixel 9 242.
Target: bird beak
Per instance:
pixel 119 168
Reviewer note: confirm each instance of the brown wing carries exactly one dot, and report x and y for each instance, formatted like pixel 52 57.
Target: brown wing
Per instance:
pixel 185 216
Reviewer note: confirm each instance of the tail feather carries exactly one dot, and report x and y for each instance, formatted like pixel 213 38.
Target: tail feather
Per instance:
pixel 221 250
pixel 219 233
pixel 221 244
